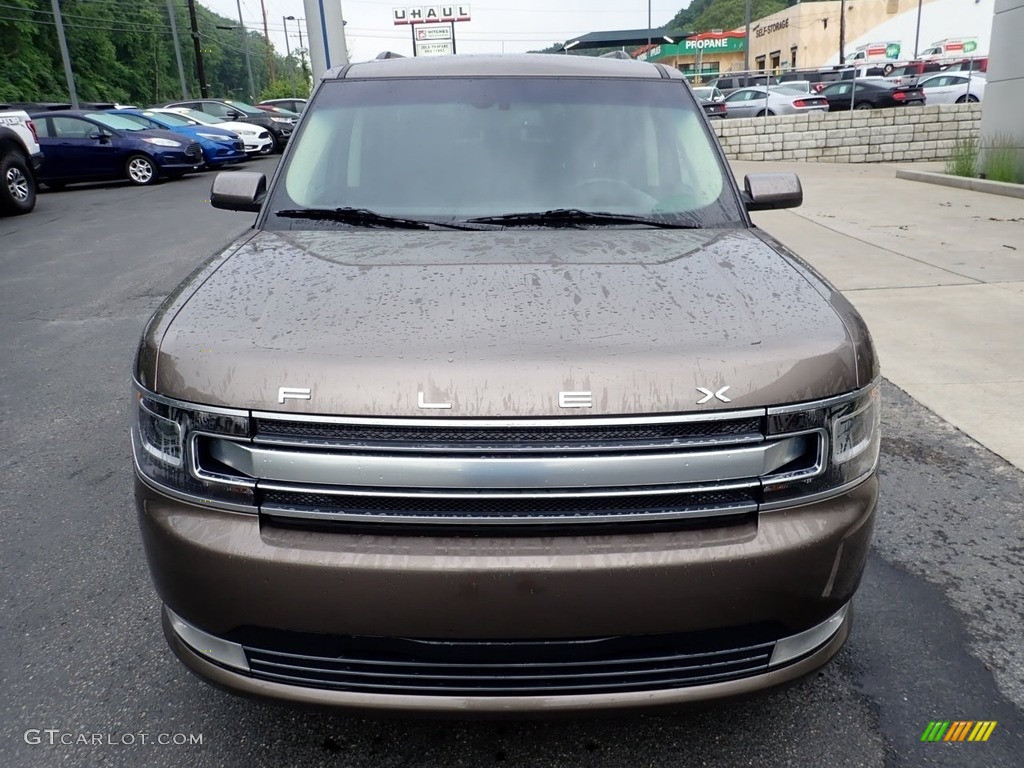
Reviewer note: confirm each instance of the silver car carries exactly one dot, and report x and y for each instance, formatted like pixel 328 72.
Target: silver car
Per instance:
pixel 757 102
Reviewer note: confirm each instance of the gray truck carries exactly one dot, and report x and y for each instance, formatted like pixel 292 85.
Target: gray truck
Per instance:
pixel 504 405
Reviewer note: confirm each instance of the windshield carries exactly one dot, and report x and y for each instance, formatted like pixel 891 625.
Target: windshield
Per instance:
pixel 168 118
pixel 245 109
pixel 144 122
pixel 119 122
pixel 466 148
pixel 200 117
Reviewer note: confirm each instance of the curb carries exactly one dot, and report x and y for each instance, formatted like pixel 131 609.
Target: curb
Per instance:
pixel 963 182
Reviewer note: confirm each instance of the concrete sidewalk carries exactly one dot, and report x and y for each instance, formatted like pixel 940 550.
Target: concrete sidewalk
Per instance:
pixel 938 273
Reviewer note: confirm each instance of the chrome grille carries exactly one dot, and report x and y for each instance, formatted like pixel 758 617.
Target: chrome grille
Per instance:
pixel 509 668
pixel 486 474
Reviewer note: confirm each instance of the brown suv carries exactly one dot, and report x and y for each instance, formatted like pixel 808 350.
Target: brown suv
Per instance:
pixel 504 405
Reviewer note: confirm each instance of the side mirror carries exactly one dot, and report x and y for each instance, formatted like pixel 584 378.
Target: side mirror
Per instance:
pixel 234 115
pixel 238 191
pixel 101 136
pixel 772 191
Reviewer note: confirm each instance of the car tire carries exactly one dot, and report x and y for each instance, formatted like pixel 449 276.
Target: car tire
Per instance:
pixel 887 69
pixel 17 185
pixel 765 113
pixel 276 147
pixel 141 170
pixel 968 98
pixel 862 105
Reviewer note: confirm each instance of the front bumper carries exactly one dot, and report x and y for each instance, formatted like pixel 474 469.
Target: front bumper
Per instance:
pixel 227 574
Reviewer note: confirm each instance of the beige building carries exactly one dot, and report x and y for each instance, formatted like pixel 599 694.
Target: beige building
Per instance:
pixel 804 36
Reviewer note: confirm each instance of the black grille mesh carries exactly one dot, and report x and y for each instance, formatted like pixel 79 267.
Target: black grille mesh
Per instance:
pixel 472 506
pixel 193 150
pixel 511 435
pixel 508 668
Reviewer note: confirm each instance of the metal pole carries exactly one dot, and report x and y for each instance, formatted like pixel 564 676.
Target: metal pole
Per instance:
pixel 287 45
pixel 746 42
pixel 177 49
pixel 648 24
pixel 842 32
pixel 248 62
pixel 266 36
pixel 68 74
pixel 917 34
pixel 204 91
pixel 453 38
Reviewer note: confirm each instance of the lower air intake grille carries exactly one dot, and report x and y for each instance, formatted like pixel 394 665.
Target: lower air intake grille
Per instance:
pixel 513 668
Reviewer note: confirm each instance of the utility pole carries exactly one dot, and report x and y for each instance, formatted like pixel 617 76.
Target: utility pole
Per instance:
pixel 248 61
pixel 746 41
pixel 917 34
pixel 177 49
pixel 266 36
pixel 842 33
pixel 64 54
pixel 204 90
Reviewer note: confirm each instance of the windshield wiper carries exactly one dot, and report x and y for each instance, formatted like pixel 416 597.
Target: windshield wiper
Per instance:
pixel 363 217
pixel 568 217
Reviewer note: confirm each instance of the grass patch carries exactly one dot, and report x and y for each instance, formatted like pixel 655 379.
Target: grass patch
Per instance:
pixel 1000 160
pixel 964 160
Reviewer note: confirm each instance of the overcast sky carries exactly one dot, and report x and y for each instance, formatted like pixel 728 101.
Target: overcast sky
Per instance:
pixel 496 25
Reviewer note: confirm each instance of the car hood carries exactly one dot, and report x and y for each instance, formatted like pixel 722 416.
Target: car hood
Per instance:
pixel 499 323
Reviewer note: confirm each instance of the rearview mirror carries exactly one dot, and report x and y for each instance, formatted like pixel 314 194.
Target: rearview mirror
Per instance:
pixel 772 191
pixel 238 191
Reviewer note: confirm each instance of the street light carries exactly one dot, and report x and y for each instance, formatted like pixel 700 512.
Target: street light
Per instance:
pixel 287 45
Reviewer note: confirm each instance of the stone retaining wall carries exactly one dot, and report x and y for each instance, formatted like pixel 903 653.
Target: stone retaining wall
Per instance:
pixel 858 136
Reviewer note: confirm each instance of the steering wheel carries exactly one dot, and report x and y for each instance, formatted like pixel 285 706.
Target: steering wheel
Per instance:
pixel 614 189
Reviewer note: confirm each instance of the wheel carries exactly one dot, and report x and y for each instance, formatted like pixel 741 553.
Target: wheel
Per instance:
pixel 968 98
pixel 141 170
pixel 887 69
pixel 276 147
pixel 862 105
pixel 765 112
pixel 17 186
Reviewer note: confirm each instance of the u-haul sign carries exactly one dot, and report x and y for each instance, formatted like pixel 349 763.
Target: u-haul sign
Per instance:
pixel 431 14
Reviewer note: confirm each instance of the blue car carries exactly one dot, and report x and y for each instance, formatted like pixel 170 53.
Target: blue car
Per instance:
pixel 220 146
pixel 90 146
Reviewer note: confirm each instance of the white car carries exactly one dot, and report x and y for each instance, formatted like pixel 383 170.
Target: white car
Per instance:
pixel 20 158
pixel 257 140
pixel 953 88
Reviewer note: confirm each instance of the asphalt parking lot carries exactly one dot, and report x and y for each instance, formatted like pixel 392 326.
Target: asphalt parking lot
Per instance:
pixel 939 633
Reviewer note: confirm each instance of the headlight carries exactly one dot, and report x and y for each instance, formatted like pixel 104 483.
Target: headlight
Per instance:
pixel 850 436
pixel 168 444
pixel 245 133
pixel 287 120
pixel 162 142
pixel 214 136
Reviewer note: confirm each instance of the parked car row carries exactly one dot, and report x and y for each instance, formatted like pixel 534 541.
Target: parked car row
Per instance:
pixel 55 145
pixel 868 93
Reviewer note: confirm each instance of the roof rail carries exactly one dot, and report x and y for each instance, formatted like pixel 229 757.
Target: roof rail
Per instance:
pixel 616 55
pixel 389 55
